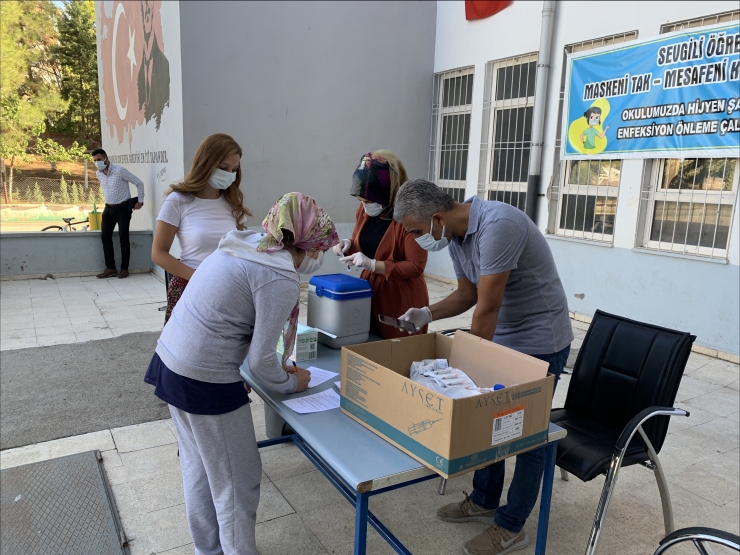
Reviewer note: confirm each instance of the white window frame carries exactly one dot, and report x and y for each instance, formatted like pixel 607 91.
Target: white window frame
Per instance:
pixel 491 105
pixel 456 187
pixel 714 19
pixel 655 191
pixel 558 184
pixel 588 190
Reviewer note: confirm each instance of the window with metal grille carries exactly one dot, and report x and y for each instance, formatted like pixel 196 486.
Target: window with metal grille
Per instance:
pixel 701 21
pixel 588 200
pixel 687 204
pixel 508 105
pixel 583 194
pixel 451 110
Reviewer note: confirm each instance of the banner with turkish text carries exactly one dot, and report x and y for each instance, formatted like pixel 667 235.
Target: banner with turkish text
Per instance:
pixel 672 96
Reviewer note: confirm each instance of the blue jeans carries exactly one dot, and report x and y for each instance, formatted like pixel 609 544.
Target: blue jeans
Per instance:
pixel 488 482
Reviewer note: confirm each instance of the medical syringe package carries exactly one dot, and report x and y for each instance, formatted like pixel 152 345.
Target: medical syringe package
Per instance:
pixel 437 375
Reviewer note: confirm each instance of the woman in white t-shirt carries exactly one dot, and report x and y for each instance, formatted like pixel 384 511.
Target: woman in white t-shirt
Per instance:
pixel 199 210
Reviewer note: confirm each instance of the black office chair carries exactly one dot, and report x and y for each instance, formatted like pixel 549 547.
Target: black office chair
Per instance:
pixel 624 382
pixel 700 537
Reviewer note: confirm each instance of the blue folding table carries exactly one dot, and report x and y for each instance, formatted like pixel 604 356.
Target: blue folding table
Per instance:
pixel 361 464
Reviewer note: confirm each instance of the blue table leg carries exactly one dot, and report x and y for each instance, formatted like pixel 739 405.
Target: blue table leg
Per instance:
pixel 361 523
pixel 547 482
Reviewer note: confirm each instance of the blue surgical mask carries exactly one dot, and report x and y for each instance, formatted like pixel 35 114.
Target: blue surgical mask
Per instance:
pixel 429 243
pixel 372 209
pixel 221 179
pixel 100 164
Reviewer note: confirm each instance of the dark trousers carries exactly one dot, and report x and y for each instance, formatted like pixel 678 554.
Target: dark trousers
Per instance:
pixel 112 215
pixel 488 482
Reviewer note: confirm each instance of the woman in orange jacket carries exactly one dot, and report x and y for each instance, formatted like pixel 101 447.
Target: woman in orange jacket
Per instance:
pixel 391 259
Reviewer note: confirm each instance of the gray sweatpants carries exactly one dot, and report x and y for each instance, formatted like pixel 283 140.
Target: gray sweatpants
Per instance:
pixel 221 472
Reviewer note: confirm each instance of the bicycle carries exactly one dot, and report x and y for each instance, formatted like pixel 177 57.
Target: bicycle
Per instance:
pixel 68 227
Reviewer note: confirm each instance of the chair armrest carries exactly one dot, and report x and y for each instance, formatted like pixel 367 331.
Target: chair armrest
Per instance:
pixel 642 416
pixel 701 531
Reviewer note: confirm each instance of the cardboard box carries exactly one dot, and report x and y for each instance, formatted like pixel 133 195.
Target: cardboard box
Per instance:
pixel 306 344
pixel 450 436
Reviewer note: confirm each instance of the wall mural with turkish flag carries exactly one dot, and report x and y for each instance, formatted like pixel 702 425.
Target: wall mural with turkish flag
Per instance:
pixel 140 79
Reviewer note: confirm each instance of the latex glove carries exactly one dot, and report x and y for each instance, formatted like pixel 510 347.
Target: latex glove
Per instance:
pixel 420 317
pixel 360 260
pixel 342 247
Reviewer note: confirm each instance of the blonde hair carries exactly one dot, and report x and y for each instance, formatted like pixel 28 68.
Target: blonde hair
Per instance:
pixel 211 152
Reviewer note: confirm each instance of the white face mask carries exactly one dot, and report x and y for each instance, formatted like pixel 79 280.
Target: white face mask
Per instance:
pixel 372 209
pixel 221 179
pixel 593 121
pixel 100 164
pixel 429 243
pixel 311 265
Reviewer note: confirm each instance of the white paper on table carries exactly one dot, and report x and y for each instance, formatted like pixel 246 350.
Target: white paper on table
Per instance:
pixel 326 400
pixel 319 376
pixel 339 385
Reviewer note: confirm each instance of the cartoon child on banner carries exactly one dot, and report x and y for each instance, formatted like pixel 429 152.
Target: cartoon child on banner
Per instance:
pixel 586 134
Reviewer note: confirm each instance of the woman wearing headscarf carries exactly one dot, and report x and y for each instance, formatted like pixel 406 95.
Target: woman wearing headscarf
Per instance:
pixel 391 259
pixel 238 304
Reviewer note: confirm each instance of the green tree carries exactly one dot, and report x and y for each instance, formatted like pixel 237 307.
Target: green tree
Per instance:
pixel 91 197
pixel 38 196
pixel 63 192
pixel 30 99
pixel 52 152
pixel 75 193
pixel 76 55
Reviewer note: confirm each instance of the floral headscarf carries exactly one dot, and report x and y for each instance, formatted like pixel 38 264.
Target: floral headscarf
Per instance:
pixel 378 179
pixel 312 229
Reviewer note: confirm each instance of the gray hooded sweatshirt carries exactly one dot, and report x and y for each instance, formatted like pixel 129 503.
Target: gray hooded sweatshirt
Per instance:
pixel 234 307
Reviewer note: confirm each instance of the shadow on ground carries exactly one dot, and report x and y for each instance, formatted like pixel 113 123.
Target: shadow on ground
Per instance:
pixel 67 390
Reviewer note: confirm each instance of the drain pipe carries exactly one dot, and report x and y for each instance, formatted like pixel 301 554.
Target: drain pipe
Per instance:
pixel 540 104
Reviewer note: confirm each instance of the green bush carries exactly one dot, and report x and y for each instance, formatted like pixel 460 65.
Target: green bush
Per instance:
pixel 53 198
pixel 38 196
pixel 63 192
pixel 91 197
pixel 28 196
pixel 75 193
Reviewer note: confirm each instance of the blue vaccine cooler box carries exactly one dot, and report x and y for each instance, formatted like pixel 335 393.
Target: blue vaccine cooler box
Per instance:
pixel 339 308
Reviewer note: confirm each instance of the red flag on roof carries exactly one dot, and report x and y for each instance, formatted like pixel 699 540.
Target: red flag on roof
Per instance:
pixel 478 9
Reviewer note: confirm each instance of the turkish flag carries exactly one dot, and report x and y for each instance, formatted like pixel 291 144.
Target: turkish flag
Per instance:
pixel 477 9
pixel 131 32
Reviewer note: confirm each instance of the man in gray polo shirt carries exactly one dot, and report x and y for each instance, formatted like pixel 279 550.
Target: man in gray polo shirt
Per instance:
pixel 505 269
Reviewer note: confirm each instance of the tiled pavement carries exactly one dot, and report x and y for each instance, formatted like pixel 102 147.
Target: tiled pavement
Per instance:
pixel 35 313
pixel 301 514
